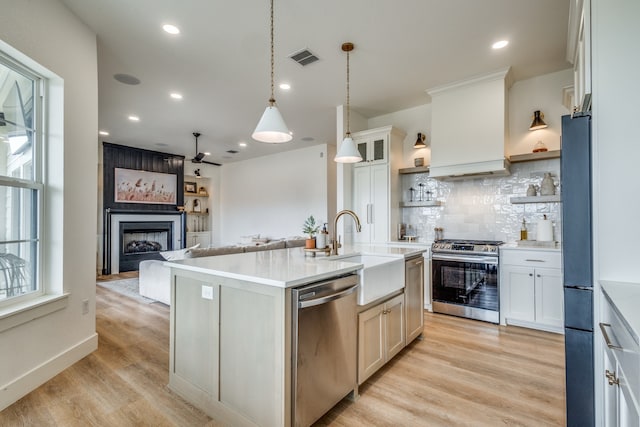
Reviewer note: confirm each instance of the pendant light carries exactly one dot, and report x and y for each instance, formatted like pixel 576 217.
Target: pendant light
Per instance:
pixel 271 127
pixel 537 122
pixel 420 141
pixel 348 152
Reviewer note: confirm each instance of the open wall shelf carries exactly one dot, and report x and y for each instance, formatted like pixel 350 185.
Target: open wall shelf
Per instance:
pixel 429 204
pixel 537 199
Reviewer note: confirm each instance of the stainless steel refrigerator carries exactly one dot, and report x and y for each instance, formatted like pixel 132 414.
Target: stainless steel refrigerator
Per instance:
pixel 575 169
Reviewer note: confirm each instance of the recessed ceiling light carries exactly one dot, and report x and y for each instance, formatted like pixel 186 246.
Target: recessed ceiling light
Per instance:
pixel 103 133
pixel 134 118
pixel 206 153
pixel 176 95
pixel 242 144
pixel 285 86
pixel 171 29
pixel 500 44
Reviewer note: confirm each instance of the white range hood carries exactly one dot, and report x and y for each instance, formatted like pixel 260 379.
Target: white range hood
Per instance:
pixel 470 127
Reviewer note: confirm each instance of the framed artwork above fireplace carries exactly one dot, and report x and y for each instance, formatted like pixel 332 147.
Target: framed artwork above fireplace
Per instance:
pixel 136 186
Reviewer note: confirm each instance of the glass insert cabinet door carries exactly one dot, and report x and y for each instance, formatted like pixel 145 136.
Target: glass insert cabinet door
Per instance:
pixel 373 150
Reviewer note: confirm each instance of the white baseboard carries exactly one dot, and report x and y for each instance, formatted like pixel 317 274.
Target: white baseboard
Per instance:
pixel 26 383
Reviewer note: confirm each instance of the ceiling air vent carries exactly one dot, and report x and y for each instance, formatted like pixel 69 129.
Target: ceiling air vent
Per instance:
pixel 304 57
pixel 232 151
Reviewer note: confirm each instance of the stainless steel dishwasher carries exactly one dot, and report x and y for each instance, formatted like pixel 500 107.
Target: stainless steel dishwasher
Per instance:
pixel 324 347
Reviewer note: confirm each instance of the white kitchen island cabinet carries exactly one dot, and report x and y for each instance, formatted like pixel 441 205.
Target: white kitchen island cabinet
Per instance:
pixel 228 348
pixel 531 289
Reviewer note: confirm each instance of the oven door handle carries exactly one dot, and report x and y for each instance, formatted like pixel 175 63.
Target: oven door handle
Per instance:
pixel 462 258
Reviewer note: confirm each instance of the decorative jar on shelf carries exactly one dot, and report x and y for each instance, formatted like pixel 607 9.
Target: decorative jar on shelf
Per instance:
pixel 547 187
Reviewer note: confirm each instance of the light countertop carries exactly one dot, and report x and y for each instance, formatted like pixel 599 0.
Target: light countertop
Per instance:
pixel 514 246
pixel 625 299
pixel 287 268
pixel 402 250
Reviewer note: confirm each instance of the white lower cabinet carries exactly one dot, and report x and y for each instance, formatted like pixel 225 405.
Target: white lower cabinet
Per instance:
pixel 531 289
pixel 414 297
pixel 381 335
pixel 619 409
pixel 621 367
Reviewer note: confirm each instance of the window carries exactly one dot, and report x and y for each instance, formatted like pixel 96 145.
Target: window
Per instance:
pixel 21 182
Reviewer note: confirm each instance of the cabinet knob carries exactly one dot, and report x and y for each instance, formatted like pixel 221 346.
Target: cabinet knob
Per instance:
pixel 530 274
pixel 537 275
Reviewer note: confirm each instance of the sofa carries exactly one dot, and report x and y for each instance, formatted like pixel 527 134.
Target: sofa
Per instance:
pixel 155 278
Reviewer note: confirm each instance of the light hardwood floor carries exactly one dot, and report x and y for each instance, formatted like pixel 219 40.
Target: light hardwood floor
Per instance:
pixel 463 373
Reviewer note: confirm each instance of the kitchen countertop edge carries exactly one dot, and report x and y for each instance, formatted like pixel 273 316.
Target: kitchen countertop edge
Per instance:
pixel 625 299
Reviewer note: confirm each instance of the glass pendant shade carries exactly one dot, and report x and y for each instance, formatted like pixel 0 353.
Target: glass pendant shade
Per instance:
pixel 537 122
pixel 348 152
pixel 271 127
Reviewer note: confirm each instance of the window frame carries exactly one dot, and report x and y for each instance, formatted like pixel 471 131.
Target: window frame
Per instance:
pixel 38 129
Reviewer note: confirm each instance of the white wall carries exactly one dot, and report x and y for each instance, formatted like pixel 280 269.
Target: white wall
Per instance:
pixel 412 121
pixel 33 352
pixel 273 195
pixel 542 93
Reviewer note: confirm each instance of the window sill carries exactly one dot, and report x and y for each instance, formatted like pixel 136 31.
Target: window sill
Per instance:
pixel 17 314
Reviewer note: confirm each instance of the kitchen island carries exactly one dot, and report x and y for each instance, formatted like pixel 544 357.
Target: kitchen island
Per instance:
pixel 231 330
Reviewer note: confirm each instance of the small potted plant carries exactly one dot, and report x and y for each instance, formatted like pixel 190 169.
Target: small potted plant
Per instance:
pixel 311 228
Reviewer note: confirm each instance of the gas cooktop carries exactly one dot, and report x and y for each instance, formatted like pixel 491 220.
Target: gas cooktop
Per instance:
pixel 486 247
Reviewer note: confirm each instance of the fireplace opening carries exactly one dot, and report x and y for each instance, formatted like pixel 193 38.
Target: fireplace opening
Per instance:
pixel 143 240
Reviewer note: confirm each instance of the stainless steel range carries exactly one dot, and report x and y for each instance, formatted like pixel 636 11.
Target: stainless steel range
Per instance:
pixel 464 280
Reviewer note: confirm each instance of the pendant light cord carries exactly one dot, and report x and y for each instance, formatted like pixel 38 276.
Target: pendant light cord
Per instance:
pixel 348 107
pixel 272 100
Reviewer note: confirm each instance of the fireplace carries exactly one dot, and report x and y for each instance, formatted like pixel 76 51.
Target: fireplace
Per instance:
pixel 133 236
pixel 143 240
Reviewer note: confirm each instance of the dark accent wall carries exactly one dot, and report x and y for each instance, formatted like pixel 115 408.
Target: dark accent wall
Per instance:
pixel 121 156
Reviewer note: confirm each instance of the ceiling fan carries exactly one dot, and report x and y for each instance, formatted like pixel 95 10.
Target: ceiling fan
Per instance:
pixel 199 156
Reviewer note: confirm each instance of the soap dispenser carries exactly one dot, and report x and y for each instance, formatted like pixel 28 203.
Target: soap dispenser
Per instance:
pixel 321 238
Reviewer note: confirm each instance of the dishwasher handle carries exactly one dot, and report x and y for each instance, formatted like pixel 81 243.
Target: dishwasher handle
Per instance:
pixel 327 298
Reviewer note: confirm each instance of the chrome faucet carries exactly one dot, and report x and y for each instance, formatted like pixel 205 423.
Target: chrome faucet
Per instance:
pixel 335 244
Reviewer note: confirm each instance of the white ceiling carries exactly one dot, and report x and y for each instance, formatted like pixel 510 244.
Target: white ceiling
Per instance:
pixel 220 62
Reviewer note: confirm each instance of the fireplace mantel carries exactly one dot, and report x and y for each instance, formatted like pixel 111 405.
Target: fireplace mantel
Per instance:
pixel 112 218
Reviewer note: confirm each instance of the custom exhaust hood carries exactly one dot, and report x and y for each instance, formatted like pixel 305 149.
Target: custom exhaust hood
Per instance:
pixel 470 127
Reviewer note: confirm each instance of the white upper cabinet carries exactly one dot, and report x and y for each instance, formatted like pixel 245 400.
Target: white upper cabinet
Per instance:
pixel 579 53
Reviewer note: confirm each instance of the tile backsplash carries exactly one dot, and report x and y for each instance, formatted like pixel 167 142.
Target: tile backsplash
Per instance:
pixel 481 208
